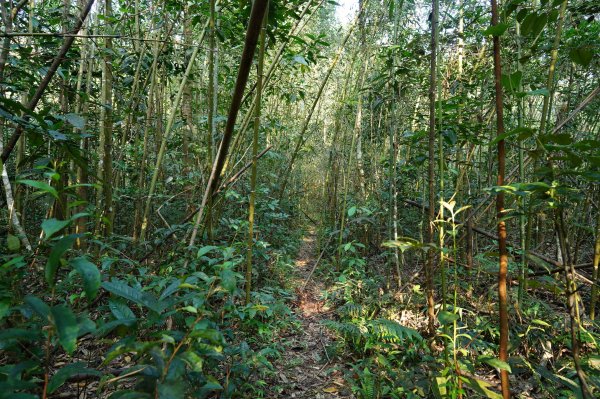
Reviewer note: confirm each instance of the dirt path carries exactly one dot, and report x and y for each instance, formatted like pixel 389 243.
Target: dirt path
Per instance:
pixel 306 370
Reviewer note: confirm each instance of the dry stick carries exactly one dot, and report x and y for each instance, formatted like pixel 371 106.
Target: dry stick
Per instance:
pixel 286 172
pixel 60 57
pixel 317 262
pixel 258 11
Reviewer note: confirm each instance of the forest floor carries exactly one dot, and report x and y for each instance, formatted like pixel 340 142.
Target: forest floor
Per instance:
pixel 306 370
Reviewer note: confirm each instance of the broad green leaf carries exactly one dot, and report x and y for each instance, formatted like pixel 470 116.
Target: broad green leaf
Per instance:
pixel 522 132
pixel 527 23
pixel 561 139
pixel 66 326
pixel 495 362
pixel 13 243
pixel 4 308
pixel 512 82
pixel 496 30
pixel 76 120
pixel 446 317
pixel 204 250
pixel 440 387
pixel 171 288
pixel 539 24
pixel 481 387
pixel 581 55
pixel 40 185
pixel 52 226
pixel 351 211
pixel 133 294
pixel 174 389
pixel 537 92
pixel 194 361
pixel 62 375
pixel 298 59
pixel 228 280
pixel 120 310
pixel 90 275
pixel 38 306
pixel 58 249
pixel 16 263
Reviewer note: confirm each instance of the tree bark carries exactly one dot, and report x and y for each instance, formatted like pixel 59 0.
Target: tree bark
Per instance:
pixel 502 248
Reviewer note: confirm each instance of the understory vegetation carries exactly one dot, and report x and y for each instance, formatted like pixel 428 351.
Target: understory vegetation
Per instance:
pixel 164 161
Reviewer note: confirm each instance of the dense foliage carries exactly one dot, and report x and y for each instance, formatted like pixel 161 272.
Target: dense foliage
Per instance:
pixel 161 162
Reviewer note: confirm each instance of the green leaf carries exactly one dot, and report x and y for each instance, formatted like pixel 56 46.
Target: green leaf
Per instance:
pixel 228 280
pixel 539 24
pixel 38 306
pixel 538 92
pixel 298 59
pixel 171 288
pixel 133 294
pixel 42 186
pixel 513 81
pixel 174 389
pixel 13 243
pixel 4 308
pixel 90 275
pixel 495 362
pixel 522 132
pixel 527 23
pixel 540 322
pixel 62 375
pixel 481 387
pixel 52 226
pixel 446 317
pixel 351 211
pixel 62 246
pixel 581 55
pixel 66 326
pixel 561 139
pixel 120 310
pixel 496 30
pixel 204 250
pixel 76 120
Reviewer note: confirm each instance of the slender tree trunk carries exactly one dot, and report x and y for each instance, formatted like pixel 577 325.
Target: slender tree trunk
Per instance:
pixel 213 75
pixel 253 176
pixel 106 130
pixel 430 170
pixel 502 249
pixel 259 8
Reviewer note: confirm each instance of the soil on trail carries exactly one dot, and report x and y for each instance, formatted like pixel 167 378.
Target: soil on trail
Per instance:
pixel 306 370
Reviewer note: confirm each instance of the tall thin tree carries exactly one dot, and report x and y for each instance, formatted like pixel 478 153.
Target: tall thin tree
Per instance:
pixel 502 249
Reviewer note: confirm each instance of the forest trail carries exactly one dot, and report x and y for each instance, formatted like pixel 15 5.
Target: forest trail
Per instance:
pixel 307 370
